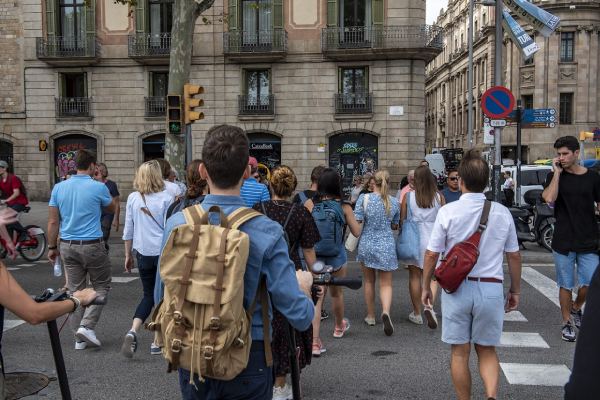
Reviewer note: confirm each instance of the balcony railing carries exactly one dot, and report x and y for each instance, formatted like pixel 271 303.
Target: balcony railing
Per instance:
pixel 72 107
pixel 387 37
pixel 253 105
pixel 155 106
pixel 354 103
pixel 67 47
pixel 268 41
pixel 149 45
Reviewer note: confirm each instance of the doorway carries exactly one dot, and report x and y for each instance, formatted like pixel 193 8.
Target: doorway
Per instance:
pixel 65 150
pixel 153 147
pixel 353 154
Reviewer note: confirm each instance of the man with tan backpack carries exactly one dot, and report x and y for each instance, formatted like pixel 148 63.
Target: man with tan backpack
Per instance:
pixel 219 263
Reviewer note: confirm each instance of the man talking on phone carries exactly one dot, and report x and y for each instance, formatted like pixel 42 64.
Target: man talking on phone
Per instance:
pixel 574 189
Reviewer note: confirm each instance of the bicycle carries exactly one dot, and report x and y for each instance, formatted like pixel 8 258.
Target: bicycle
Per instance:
pixel 31 248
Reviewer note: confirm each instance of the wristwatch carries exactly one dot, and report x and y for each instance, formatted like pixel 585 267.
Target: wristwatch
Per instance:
pixel 76 303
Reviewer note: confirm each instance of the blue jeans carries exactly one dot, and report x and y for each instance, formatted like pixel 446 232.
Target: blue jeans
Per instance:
pixel 253 383
pixel 565 268
pixel 147 266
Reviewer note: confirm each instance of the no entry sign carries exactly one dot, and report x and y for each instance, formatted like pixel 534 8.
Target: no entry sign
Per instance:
pixel 497 102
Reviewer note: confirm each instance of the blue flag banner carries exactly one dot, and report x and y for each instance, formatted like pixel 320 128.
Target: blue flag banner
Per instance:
pixel 518 35
pixel 541 20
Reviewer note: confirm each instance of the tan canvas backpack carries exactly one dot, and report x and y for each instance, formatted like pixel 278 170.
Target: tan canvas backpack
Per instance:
pixel 201 324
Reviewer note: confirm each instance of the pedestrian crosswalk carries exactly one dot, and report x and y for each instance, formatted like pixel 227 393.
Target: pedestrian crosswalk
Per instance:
pixel 529 373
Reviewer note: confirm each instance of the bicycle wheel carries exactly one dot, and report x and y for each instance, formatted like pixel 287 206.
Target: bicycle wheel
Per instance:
pixel 33 248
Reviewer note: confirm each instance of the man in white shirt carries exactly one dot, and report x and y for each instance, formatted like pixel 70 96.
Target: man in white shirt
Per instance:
pixel 474 313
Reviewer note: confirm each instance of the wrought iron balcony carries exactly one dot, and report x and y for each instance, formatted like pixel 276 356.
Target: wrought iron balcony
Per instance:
pixel 253 105
pixel 155 106
pixel 354 103
pixel 268 44
pixel 149 45
pixel 72 107
pixel 68 49
pixel 414 41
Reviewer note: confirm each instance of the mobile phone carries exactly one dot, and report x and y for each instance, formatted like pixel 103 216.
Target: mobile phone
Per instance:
pixel 557 164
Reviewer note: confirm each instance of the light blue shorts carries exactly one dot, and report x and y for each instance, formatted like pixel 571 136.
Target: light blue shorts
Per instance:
pixel 338 261
pixel 473 314
pixel 565 268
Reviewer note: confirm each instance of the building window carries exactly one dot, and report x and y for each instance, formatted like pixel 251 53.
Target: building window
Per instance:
pixel 73 100
pixel 159 86
pixel 354 13
pixel 161 16
pixel 527 101
pixel 566 108
pixel 256 22
pixel 72 18
pixel 257 97
pixel 484 19
pixel 353 91
pixel 567 46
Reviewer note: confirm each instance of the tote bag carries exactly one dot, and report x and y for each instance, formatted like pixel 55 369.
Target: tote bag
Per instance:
pixel 352 241
pixel 407 244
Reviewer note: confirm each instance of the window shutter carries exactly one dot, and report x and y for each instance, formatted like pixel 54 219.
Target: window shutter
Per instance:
pixel 90 17
pixel 377 11
pixel 232 20
pixel 278 14
pixel 50 18
pixel 140 16
pixel 332 13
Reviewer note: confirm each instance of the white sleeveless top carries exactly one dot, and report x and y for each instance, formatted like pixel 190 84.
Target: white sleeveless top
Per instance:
pixel 424 214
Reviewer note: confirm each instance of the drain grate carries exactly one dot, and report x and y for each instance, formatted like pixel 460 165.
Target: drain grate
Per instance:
pixel 21 384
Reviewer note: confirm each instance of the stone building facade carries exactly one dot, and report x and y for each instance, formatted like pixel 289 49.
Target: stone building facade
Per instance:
pixel 338 82
pixel 561 75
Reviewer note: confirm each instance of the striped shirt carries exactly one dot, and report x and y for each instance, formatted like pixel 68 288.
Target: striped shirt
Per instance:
pixel 253 192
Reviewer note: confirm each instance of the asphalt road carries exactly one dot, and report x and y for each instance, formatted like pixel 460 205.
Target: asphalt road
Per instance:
pixel 365 364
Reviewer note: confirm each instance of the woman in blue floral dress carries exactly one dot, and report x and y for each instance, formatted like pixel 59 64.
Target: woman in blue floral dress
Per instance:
pixel 377 248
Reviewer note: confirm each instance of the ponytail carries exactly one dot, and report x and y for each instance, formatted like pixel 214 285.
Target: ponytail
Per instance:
pixel 382 180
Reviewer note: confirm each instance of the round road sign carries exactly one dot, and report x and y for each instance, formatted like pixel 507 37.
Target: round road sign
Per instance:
pixel 497 102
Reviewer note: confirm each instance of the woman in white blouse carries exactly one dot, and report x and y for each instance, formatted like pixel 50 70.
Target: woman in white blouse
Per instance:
pixel 142 233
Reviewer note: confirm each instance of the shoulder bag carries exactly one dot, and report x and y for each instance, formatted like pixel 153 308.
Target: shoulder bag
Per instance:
pixel 462 257
pixel 147 211
pixel 407 244
pixel 352 241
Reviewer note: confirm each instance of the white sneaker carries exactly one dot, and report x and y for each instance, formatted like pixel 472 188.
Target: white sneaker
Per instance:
pixel 283 393
pixel 432 321
pixel 80 345
pixel 415 319
pixel 88 336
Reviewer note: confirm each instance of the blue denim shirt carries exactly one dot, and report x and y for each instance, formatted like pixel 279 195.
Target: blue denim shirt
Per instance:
pixel 268 258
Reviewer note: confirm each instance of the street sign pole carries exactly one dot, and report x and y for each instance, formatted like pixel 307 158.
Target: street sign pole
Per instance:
pixel 188 144
pixel 519 152
pixel 498 82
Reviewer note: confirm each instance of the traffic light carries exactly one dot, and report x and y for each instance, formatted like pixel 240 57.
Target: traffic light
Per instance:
pixel 189 103
pixel 174 125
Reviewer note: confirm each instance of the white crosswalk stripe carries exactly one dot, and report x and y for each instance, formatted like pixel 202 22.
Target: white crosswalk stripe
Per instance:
pixel 514 316
pixel 523 339
pixel 123 279
pixel 542 283
pixel 26 265
pixel 536 374
pixel 12 323
pixel 12 268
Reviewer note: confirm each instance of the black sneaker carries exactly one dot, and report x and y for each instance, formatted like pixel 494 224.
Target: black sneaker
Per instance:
pixel 324 315
pixel 576 317
pixel 568 333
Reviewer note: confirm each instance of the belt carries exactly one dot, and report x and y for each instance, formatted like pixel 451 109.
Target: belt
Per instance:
pixel 489 280
pixel 81 242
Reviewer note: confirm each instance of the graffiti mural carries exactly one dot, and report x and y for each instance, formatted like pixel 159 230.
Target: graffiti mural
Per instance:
pixel 353 154
pixel 65 150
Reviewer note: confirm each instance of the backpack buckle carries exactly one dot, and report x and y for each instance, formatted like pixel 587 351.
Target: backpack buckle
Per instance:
pixel 238 342
pixel 176 345
pixel 208 352
pixel 177 317
pixel 215 323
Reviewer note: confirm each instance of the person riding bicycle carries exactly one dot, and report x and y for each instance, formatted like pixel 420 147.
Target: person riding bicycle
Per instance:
pixel 14 196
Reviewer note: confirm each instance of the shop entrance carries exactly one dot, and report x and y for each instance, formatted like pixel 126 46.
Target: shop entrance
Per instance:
pixel 153 147
pixel 266 148
pixel 65 149
pixel 353 154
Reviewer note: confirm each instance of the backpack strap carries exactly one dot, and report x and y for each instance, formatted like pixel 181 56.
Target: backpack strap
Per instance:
pixel 303 197
pixel 240 216
pixel 193 215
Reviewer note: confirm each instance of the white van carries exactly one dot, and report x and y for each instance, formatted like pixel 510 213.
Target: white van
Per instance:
pixel 436 164
pixel 532 177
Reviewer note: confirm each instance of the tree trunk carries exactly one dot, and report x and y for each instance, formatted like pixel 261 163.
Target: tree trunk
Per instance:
pixel 185 14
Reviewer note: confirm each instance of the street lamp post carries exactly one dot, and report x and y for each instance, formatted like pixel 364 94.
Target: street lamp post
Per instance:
pixel 470 78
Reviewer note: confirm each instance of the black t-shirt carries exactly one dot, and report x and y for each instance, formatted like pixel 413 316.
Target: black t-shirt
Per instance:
pixel 576 228
pixel 308 193
pixel 114 192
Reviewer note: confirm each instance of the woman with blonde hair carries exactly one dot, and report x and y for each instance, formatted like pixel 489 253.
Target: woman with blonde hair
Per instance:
pixel 423 204
pixel 380 214
pixel 142 233
pixel 301 232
